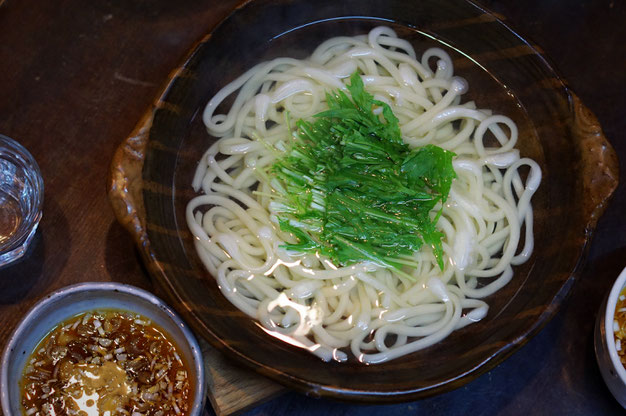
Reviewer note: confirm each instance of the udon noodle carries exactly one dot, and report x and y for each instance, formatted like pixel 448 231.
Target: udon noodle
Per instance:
pixel 364 308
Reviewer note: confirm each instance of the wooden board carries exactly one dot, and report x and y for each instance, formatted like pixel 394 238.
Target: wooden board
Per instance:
pixel 232 389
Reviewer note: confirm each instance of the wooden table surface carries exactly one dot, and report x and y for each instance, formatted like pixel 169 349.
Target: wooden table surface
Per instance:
pixel 76 76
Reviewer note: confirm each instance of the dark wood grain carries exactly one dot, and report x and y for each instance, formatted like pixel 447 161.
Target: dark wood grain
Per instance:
pixel 76 76
pixel 74 81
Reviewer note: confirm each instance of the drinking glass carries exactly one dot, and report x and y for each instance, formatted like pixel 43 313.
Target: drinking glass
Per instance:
pixel 21 199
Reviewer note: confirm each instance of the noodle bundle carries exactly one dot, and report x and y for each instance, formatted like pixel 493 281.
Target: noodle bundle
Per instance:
pixel 375 312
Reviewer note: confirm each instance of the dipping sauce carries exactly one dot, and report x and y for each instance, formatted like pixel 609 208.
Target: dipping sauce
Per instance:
pixel 106 363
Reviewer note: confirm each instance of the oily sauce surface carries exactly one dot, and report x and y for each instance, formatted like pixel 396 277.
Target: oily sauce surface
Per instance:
pixel 106 363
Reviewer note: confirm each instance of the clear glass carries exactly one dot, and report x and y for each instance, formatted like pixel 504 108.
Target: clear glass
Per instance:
pixel 21 199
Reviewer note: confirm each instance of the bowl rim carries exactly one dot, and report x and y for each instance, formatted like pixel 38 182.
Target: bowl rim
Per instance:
pixel 609 314
pixel 14 339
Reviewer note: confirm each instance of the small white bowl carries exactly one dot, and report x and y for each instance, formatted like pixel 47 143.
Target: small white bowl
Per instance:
pixel 72 300
pixel 612 370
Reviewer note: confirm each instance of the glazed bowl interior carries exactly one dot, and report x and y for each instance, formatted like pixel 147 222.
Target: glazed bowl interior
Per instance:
pixel 73 300
pixel 504 72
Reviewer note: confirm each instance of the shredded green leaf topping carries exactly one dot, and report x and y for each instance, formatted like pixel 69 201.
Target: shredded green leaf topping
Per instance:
pixel 349 188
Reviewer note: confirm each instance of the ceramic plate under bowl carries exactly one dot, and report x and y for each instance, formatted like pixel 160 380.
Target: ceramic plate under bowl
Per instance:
pixel 505 73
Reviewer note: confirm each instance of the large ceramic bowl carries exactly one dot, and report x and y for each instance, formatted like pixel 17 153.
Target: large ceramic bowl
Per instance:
pixel 505 73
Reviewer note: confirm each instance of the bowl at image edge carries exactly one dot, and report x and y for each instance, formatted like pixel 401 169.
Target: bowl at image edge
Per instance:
pixel 70 301
pixel 611 367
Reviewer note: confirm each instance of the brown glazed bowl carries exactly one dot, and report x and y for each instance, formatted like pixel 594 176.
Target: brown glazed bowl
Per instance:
pixel 152 173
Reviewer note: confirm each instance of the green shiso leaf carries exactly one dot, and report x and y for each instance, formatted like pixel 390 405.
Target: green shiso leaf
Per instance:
pixel 353 191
